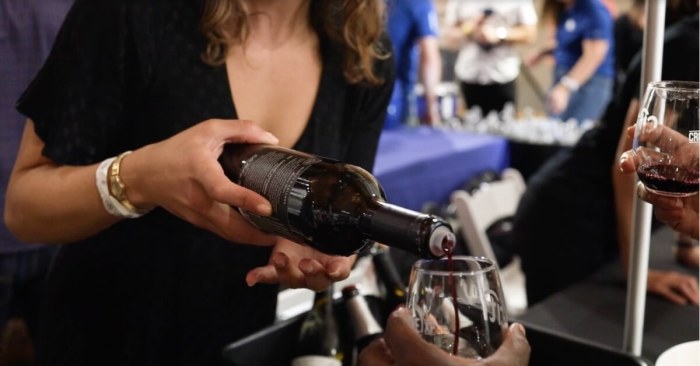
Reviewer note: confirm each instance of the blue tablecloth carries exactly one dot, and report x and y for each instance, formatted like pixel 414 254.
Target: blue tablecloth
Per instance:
pixel 416 165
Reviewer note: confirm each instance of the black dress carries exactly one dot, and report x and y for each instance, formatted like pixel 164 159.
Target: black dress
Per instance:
pixel 157 290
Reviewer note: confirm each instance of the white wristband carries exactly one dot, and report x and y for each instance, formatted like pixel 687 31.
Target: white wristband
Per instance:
pixel 111 204
pixel 570 84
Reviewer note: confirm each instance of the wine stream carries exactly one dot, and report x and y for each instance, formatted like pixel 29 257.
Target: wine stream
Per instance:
pixel 448 247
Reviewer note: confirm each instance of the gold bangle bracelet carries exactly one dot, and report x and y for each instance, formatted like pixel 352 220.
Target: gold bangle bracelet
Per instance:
pixel 117 189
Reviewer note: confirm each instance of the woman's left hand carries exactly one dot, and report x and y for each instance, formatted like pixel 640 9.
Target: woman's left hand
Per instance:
pixel 676 287
pixel 558 99
pixel 294 265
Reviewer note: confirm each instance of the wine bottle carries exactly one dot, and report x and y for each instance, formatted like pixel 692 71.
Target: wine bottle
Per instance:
pixel 318 343
pixel 334 207
pixel 365 325
pixel 394 288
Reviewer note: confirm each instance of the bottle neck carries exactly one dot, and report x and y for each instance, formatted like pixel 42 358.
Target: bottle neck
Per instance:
pixel 401 228
pixel 323 302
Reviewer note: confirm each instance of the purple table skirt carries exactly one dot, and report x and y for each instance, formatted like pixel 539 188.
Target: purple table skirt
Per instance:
pixel 416 165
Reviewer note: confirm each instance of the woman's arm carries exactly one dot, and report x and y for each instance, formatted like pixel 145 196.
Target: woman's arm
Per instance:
pixel 623 190
pixel 53 203
pixel 49 203
pixel 676 287
pixel 594 51
pixel 429 75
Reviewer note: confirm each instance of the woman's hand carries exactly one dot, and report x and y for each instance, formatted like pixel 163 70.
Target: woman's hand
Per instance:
pixel 676 287
pixel 403 346
pixel 558 99
pixel 680 213
pixel 688 256
pixel 182 174
pixel 295 266
pixel 51 203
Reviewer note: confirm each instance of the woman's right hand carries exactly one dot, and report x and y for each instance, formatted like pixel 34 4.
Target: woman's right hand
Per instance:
pixel 182 174
pixel 680 213
pixel 403 346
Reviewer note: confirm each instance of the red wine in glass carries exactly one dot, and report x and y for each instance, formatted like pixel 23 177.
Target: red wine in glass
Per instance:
pixel 671 179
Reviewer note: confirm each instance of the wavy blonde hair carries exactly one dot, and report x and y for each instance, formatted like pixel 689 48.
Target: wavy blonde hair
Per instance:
pixel 355 25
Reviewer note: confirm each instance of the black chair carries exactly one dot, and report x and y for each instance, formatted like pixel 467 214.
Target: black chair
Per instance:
pixel 271 346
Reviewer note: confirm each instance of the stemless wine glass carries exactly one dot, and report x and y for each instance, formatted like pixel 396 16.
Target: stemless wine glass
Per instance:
pixel 666 137
pixel 458 304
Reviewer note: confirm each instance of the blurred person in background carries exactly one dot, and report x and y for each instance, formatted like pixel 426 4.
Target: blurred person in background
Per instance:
pixel 583 49
pixel 486 34
pixel 629 31
pixel 119 163
pixel 629 34
pixel 413 29
pixel 575 215
pixel 27 31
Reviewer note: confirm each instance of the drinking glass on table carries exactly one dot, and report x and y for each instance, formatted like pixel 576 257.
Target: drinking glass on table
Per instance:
pixel 666 137
pixel 458 304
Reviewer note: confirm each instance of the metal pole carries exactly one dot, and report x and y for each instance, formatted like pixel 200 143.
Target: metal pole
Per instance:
pixel 652 52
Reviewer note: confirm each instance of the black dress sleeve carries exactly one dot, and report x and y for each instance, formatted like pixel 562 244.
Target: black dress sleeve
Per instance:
pixel 97 70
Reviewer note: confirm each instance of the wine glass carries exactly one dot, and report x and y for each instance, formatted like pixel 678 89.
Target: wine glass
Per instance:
pixel 666 138
pixel 458 304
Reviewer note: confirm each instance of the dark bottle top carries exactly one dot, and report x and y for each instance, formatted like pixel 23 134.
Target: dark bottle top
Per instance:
pixel 334 207
pixel 318 342
pixel 365 325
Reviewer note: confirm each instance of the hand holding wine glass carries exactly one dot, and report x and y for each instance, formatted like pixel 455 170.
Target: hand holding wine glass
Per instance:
pixel 402 345
pixel 665 153
pixel 665 145
pixel 458 304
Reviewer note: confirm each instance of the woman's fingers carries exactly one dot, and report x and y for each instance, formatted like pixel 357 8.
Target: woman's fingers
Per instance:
pixel 376 354
pixel 626 162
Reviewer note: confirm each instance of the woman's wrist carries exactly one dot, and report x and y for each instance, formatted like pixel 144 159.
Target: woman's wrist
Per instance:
pixel 134 174
pixel 570 84
pixel 113 189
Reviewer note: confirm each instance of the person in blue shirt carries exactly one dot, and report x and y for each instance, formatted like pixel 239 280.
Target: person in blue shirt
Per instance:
pixel 584 57
pixel 413 29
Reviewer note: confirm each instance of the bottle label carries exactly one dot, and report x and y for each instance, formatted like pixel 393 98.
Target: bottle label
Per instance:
pixel 316 361
pixel 273 174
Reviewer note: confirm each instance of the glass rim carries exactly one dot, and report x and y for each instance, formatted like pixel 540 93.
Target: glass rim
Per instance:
pixel 686 85
pixel 490 267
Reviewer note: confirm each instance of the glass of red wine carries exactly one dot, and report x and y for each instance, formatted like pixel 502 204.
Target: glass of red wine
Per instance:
pixel 457 304
pixel 666 137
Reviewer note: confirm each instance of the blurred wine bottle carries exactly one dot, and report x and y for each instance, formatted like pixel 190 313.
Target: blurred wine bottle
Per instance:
pixel 318 343
pixel 365 325
pixel 390 279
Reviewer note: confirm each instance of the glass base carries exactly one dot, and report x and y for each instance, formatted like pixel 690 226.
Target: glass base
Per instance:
pixel 671 194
